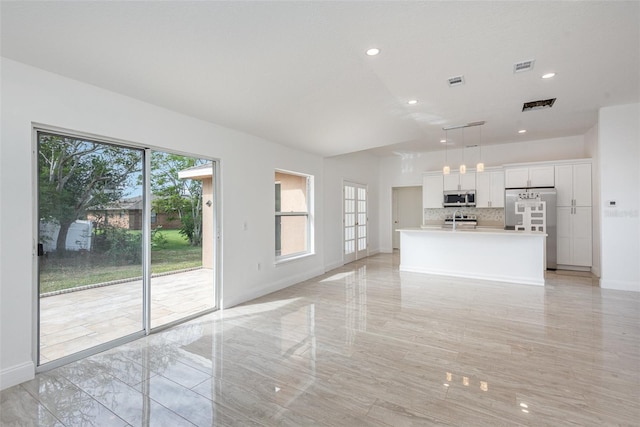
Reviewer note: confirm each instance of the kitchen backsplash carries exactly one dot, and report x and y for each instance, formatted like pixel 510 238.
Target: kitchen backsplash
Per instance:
pixel 487 217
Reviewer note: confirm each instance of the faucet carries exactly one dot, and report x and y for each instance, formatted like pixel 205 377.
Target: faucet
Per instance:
pixel 454 218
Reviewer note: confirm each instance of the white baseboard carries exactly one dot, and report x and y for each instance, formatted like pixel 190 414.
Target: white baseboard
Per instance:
pixel 273 287
pixel 17 374
pixel 572 268
pixel 620 285
pixel 333 266
pixel 494 278
pixel 386 250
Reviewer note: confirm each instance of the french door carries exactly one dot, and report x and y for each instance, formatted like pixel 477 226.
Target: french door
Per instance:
pixel 125 243
pixel 355 221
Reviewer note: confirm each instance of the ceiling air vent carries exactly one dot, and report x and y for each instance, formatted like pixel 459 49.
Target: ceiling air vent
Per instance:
pixel 520 67
pixel 456 81
pixel 538 105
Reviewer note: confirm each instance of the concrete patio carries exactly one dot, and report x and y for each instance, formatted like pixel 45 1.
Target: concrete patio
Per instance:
pixel 75 321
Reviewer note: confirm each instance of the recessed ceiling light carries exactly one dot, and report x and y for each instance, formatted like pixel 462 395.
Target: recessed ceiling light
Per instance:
pixel 443 141
pixel 548 75
pixel 412 102
pixel 522 131
pixel 373 51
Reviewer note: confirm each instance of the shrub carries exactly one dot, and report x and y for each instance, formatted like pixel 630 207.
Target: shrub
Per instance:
pixel 158 239
pixel 122 246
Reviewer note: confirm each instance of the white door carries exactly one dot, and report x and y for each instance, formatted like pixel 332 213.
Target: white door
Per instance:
pixel 355 221
pixel 406 210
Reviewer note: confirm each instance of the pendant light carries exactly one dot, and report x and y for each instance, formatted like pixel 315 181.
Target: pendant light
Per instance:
pixel 480 165
pixel 463 167
pixel 446 169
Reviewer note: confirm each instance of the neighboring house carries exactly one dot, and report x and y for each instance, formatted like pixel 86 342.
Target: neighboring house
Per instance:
pixel 127 213
pixel 204 173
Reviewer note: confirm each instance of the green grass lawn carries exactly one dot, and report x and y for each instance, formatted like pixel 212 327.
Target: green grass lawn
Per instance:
pixel 78 269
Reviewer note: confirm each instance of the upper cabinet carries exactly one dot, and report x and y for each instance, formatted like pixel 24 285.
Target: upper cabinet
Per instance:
pixel 457 181
pixel 573 184
pixel 531 176
pixel 432 190
pixel 490 189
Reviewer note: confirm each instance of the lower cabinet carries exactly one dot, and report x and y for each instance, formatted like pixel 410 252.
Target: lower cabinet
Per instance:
pixel 574 236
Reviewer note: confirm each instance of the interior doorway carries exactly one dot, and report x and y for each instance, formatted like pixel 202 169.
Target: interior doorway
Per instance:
pixel 355 220
pixel 406 205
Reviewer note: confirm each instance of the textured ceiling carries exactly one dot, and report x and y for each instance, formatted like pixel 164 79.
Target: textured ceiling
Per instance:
pixel 296 73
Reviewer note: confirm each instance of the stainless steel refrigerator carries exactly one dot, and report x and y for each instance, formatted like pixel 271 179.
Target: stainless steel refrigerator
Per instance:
pixel 511 218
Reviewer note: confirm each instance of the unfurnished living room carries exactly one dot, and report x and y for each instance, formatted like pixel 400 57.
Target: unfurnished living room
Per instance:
pixel 332 213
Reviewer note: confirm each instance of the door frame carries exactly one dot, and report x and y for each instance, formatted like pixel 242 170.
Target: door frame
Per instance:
pixel 394 194
pixel 146 249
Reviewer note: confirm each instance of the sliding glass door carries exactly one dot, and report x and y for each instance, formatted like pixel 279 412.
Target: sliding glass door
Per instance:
pixel 182 237
pixel 126 243
pixel 90 244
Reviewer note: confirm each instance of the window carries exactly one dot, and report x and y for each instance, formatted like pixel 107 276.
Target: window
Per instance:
pixel 292 201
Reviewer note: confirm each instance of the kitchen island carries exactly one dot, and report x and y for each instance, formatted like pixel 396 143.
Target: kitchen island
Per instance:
pixel 488 254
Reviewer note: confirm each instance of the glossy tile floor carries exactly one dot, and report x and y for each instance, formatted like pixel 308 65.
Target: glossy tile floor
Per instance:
pixel 365 345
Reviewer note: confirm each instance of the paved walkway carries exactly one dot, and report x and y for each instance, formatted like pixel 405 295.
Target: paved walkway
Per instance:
pixel 79 320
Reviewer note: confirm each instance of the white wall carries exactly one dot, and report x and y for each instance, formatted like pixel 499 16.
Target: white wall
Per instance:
pixel 247 166
pixel 591 150
pixel 399 171
pixel 619 154
pixel 360 168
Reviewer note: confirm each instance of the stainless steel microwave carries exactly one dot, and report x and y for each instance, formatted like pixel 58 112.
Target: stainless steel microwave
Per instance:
pixel 459 198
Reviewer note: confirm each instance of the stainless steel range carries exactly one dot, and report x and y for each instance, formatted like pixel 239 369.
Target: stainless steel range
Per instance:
pixel 460 221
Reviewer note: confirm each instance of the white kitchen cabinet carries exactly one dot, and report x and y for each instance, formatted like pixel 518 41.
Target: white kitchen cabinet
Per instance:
pixel 530 176
pixel 574 236
pixel 432 190
pixel 457 181
pixel 490 189
pixel 573 184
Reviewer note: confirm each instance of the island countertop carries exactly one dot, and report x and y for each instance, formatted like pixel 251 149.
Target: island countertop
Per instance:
pixel 481 253
pixel 482 230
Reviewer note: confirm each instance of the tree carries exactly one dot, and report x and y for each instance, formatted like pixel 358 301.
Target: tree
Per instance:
pixel 75 174
pixel 181 198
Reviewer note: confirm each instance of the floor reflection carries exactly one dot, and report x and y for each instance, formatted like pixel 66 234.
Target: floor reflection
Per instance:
pixel 367 345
